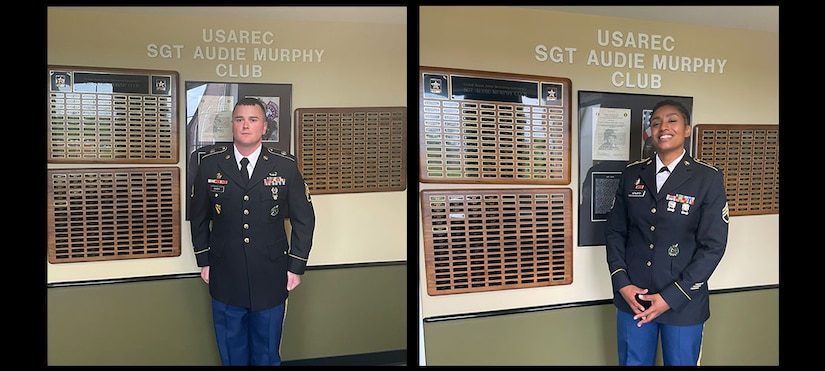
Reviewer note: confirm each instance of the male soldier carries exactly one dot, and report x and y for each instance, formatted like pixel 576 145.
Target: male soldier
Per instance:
pixel 240 240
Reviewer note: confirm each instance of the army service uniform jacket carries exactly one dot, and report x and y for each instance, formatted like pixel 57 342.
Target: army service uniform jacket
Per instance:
pixel 238 226
pixel 670 241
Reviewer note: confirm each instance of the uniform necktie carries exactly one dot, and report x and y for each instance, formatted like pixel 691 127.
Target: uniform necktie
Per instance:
pixel 244 170
pixel 661 176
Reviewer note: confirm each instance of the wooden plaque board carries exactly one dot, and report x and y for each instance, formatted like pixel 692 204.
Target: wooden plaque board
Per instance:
pixel 113 214
pixel 488 127
pixel 748 155
pixel 351 150
pixel 497 239
pixel 112 115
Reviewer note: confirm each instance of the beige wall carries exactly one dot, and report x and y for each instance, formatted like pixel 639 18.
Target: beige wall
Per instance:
pixel 504 39
pixel 364 65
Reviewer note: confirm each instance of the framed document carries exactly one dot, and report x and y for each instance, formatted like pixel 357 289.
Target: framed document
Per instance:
pixel 614 130
pixel 603 188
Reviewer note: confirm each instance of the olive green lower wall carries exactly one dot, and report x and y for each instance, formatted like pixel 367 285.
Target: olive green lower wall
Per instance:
pixel 743 330
pixel 334 312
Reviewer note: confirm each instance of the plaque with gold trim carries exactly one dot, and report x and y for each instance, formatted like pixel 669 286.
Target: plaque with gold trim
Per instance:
pixel 490 127
pixel 111 115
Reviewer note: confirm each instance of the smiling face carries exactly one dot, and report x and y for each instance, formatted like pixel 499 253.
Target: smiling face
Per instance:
pixel 669 128
pixel 248 126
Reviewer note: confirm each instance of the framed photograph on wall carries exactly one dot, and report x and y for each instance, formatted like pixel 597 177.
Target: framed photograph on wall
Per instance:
pixel 614 130
pixel 209 117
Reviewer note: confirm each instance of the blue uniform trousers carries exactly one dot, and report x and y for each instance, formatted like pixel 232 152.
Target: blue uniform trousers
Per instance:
pixel 681 345
pixel 248 337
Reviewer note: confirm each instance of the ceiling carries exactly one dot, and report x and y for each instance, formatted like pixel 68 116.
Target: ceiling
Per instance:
pixel 360 14
pixel 747 17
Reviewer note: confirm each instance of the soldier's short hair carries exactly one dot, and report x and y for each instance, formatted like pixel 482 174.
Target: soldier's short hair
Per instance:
pixel 675 104
pixel 250 101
